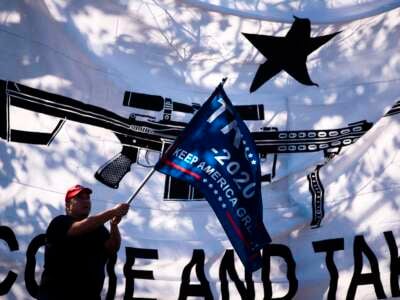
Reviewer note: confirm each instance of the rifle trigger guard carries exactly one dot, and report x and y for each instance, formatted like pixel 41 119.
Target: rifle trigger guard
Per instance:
pixel 147 163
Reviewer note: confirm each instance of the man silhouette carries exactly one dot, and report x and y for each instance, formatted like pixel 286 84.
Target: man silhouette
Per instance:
pixel 77 248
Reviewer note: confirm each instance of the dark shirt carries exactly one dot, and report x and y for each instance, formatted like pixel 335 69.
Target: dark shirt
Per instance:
pixel 73 265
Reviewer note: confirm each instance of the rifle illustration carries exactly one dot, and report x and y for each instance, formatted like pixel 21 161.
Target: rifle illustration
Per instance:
pixel 144 132
pixel 133 132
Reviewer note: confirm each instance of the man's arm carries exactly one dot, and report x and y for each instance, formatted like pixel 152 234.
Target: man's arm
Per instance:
pixel 114 242
pixel 90 223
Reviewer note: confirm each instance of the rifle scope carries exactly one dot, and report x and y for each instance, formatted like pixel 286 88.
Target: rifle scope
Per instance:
pixel 158 103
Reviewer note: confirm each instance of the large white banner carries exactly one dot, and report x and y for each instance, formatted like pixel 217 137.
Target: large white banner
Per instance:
pixel 330 198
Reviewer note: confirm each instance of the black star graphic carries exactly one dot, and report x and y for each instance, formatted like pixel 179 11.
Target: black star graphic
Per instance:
pixel 287 53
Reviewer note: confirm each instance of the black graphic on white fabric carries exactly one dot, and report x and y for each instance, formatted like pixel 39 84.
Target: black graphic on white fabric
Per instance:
pixel 140 132
pixel 133 274
pixel 228 274
pixel 330 247
pixel 8 236
pixel 317 192
pixel 315 185
pixel 361 250
pixel 394 263
pixel 202 288
pixel 271 142
pixel 285 253
pixel 287 53
pixel 394 110
pixel 175 189
pixel 317 189
pixel 366 270
pixel 264 157
pixel 31 285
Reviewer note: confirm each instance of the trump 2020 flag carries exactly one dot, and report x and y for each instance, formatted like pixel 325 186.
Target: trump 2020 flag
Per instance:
pixel 216 154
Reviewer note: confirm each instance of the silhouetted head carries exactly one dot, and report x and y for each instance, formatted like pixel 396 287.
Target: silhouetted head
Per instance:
pixel 77 202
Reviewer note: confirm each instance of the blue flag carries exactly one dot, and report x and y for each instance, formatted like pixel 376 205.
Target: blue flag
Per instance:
pixel 217 155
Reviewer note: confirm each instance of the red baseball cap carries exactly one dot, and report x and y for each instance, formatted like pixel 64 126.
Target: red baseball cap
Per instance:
pixel 75 190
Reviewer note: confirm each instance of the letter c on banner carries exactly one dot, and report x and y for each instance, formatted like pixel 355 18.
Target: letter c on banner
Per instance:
pixel 30 282
pixel 8 236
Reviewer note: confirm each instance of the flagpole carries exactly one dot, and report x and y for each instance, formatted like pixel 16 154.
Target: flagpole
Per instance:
pixel 164 142
pixel 224 80
pixel 141 185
